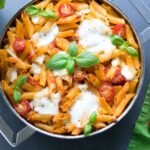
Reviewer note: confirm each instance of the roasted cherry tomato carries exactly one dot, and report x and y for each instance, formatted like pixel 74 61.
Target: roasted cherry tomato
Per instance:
pixel 19 45
pixel 22 108
pixel 66 10
pixel 120 29
pixel 79 75
pixel 53 43
pixel 107 91
pixel 119 78
pixel 32 81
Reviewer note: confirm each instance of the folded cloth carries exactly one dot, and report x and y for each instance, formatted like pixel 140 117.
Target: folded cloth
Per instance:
pixel 141 133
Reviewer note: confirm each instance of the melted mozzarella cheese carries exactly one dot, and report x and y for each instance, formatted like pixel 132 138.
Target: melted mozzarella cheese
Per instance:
pixel 127 72
pixel 84 11
pixel 36 69
pixel 94 36
pixel 35 19
pixel 12 74
pixel 46 105
pixel 115 62
pixel 82 87
pixel 85 104
pixel 42 93
pixel 44 38
pixel 60 73
pixel 40 59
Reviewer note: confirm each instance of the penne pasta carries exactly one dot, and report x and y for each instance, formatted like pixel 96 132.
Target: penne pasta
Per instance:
pixel 123 104
pixel 106 106
pixel 118 98
pixel 28 24
pixel 19 29
pixel 130 37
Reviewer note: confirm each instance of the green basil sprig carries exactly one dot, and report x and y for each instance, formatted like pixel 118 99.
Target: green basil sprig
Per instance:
pixel 17 95
pixel 19 82
pixel 124 45
pixel 88 127
pixel 32 10
pixel 68 61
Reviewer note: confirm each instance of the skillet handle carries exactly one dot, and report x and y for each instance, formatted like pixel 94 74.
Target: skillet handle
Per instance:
pixel 8 133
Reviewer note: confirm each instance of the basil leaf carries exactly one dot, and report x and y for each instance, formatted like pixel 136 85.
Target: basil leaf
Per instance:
pixel 32 10
pixel 132 51
pixel 86 60
pixel 87 129
pixel 73 49
pixel 57 62
pixel 17 96
pixel 92 117
pixel 124 45
pixel 2 2
pixel 20 81
pixel 116 40
pixel 48 14
pixel 70 66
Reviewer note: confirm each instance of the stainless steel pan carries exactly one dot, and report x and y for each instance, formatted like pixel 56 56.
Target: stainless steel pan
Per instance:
pixel 30 129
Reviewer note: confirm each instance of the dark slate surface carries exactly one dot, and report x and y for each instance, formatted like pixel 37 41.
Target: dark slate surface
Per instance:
pixel 116 138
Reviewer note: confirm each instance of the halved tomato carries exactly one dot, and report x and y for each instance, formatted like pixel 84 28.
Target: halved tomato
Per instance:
pixel 23 107
pixel 66 10
pixel 120 29
pixel 107 91
pixel 19 45
pixel 119 78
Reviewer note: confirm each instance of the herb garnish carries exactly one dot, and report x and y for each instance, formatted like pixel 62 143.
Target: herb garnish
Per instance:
pixel 88 127
pixel 32 10
pixel 124 45
pixel 19 82
pixel 69 60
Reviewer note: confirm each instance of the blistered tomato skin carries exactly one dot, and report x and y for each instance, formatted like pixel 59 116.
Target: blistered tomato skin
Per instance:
pixel 19 45
pixel 119 79
pixel 66 10
pixel 120 29
pixel 22 108
pixel 107 91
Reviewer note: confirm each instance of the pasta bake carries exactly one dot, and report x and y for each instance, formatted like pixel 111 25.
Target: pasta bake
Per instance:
pixel 70 67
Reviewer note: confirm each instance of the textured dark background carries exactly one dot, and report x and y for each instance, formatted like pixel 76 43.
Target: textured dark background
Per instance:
pixel 116 138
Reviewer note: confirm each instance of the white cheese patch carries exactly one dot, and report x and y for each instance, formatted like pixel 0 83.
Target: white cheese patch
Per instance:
pixel 40 59
pixel 12 74
pixel 115 62
pixel 127 72
pixel 46 105
pixel 35 19
pixel 94 36
pixel 36 69
pixel 82 87
pixel 84 11
pixel 44 38
pixel 60 73
pixel 84 105
pixel 42 93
